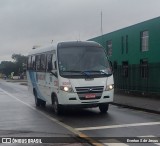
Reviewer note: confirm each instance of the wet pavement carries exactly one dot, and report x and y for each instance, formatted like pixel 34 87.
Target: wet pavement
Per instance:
pixel 145 103
pixel 20 119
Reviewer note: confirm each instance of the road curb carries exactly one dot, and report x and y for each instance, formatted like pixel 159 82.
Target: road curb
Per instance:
pixel 136 108
pixel 15 81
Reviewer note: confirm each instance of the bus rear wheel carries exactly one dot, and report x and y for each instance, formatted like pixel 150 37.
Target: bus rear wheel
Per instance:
pixel 43 103
pixel 103 108
pixel 37 100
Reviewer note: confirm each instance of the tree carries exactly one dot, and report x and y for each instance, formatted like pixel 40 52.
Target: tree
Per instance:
pixel 6 67
pixel 19 60
pixel 16 66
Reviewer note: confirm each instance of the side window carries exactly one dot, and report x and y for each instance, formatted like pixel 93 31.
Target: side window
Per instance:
pixel 43 62
pixel 54 60
pixel 49 62
pixel 38 62
pixel 144 41
pixel 33 63
pixel 29 62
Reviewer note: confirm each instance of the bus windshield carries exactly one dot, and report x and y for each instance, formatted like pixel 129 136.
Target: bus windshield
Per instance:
pixel 83 61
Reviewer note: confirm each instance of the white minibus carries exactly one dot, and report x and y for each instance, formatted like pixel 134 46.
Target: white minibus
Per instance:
pixel 71 74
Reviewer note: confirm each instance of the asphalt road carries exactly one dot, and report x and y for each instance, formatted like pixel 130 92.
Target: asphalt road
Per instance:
pixel 120 126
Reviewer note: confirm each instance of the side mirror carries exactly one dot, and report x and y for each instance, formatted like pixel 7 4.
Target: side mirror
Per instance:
pixel 110 62
pixel 50 66
pixel 55 64
pixel 111 65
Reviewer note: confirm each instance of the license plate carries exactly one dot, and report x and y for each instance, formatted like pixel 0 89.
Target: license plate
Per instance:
pixel 88 96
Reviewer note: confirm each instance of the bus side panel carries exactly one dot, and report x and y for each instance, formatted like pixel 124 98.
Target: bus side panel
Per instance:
pixel 40 86
pixel 36 83
pixel 30 80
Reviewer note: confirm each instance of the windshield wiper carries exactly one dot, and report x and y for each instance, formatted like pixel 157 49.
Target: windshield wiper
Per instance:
pixel 98 71
pixel 88 73
pixel 81 72
pixel 74 71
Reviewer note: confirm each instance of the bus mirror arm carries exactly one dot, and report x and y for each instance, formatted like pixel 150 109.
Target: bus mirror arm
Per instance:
pixel 111 65
pixel 54 73
pixel 55 64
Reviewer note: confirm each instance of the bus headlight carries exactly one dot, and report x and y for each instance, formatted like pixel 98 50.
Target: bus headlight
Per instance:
pixel 66 89
pixel 109 87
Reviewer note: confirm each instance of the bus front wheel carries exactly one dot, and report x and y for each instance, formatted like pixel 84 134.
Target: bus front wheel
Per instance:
pixel 56 106
pixel 103 108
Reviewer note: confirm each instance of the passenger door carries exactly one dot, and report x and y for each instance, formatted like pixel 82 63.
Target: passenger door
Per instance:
pixel 51 79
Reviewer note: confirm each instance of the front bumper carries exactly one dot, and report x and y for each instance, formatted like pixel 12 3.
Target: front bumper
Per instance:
pixel 69 99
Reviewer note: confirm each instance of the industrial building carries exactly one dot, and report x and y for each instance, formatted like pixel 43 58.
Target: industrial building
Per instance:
pixel 135 55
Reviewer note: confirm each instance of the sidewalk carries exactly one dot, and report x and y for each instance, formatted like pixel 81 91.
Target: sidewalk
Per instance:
pixel 20 81
pixel 149 104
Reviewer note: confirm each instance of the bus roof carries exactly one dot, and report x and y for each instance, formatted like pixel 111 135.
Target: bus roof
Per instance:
pixel 42 49
pixel 63 45
pixel 78 44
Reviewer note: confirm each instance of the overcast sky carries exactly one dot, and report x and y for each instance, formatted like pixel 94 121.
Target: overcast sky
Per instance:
pixel 25 23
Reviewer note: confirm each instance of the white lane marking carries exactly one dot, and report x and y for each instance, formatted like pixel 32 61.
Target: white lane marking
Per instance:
pixel 33 108
pixel 118 126
pixel 71 129
pixel 17 99
pixel 147 136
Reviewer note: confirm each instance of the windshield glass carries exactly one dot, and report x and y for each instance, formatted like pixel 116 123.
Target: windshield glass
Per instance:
pixel 83 61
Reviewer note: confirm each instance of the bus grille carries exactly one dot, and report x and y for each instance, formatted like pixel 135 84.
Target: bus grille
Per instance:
pixel 89 93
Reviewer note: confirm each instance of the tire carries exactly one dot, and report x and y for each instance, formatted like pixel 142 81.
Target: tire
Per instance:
pixel 103 108
pixel 57 108
pixel 43 103
pixel 37 100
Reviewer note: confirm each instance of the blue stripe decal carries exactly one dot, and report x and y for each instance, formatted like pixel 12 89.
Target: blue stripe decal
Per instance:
pixel 33 79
